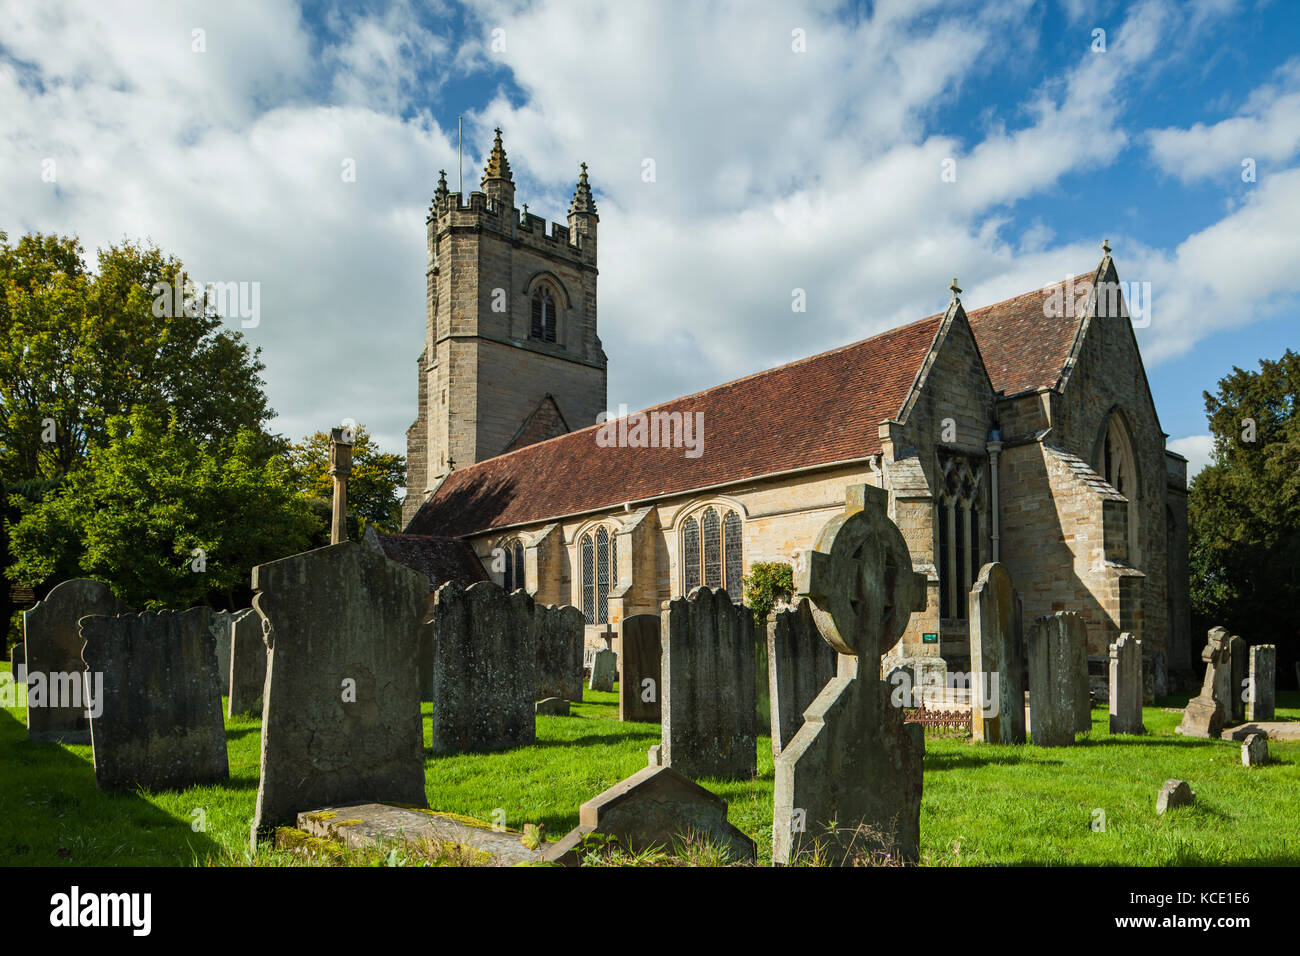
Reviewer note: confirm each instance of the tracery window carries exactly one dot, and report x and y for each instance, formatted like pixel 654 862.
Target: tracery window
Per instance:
pixel 713 552
pixel 599 574
pixel 513 576
pixel 957 528
pixel 1118 467
pixel 543 320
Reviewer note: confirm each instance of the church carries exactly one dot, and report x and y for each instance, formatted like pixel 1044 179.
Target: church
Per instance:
pixel 1023 432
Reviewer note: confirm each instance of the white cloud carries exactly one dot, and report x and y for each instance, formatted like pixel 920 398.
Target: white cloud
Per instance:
pixel 1197 449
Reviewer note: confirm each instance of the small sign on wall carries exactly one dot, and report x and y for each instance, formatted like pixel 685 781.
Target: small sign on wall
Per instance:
pixel 929 638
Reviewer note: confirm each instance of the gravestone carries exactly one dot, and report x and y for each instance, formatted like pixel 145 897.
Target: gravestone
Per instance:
pixel 1254 750
pixel 219 623
pixel 604 670
pixel 1059 701
pixel 156 720
pixel 1174 793
pixel 1205 714
pixel 800 664
pixel 1126 686
pixel 18 663
pixel 247 664
pixel 996 654
pixel 1239 661
pixel 341 713
pixel 849 782
pixel 656 807
pixel 484 668
pixel 559 651
pixel 1160 674
pixel 56 679
pixel 903 688
pixel 709 708
pixel 1263 681
pixel 639 659
pixel 552 707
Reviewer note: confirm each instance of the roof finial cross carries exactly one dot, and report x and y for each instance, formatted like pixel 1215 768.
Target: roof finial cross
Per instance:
pixel 1105 246
pixel 956 290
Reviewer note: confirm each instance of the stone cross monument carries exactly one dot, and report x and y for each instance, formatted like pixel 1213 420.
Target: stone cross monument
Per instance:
pixel 340 469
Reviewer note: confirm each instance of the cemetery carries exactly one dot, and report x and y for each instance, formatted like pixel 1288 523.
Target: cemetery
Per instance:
pixel 523 750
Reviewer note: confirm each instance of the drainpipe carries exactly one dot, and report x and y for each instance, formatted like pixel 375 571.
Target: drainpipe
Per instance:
pixel 994 447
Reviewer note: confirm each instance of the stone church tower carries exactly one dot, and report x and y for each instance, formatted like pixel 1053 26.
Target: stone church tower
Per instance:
pixel 511 355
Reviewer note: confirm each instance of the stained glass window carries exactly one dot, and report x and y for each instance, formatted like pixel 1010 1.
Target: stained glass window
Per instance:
pixel 588 579
pixel 690 556
pixel 602 576
pixel 710 528
pixel 734 552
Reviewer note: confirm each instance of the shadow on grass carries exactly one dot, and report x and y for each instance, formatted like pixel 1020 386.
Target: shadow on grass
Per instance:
pixel 54 814
pixel 974 758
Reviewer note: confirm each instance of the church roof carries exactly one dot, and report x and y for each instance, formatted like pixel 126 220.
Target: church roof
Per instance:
pixel 815 411
pixel 438 558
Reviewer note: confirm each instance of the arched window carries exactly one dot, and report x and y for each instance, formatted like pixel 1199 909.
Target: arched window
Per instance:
pixel 602 576
pixel 690 556
pixel 1118 465
pixel 713 552
pixel 513 556
pixel 599 574
pixel 519 565
pixel 543 324
pixel 508 581
pixel 957 530
pixel 588 579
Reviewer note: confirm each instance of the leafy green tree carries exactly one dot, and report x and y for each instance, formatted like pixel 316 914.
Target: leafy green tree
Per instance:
pixel 1244 507
pixel 372 488
pixel 78 348
pixel 164 517
pixel 767 583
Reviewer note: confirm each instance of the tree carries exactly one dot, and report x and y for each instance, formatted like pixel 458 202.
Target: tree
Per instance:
pixel 165 518
pixel 1244 507
pixel 77 349
pixel 372 488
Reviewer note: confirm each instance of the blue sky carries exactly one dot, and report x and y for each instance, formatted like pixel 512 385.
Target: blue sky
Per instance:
pixel 776 168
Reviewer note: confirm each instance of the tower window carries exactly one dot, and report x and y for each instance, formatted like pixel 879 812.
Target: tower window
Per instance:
pixel 543 324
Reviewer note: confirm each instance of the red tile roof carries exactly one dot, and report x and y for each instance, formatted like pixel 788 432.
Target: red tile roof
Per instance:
pixel 439 559
pixel 1022 346
pixel 815 411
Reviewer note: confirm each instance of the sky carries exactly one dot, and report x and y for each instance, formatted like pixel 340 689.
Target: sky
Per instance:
pixel 793 146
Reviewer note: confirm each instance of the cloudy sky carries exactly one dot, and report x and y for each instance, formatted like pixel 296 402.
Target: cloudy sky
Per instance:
pixel 793 147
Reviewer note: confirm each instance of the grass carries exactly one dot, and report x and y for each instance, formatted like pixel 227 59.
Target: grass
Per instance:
pixel 983 805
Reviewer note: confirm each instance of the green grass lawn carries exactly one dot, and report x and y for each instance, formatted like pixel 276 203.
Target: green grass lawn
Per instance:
pixel 982 805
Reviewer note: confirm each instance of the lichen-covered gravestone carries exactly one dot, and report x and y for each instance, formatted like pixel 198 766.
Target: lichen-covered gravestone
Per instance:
pixel 484 669
pixel 247 664
pixel 1126 686
pixel 709 695
pixel 1174 793
pixel 850 780
pixel 56 679
pixel 156 720
pixel 1239 662
pixel 1263 681
pixel 639 658
pixel 1254 750
pixel 604 670
pixel 559 651
pixel 800 663
pixel 341 716
pixel 1059 701
pixel 996 654
pixel 1206 713
pixel 219 623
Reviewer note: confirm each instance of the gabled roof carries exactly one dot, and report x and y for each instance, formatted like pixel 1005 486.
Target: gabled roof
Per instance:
pixel 1023 346
pixel 816 411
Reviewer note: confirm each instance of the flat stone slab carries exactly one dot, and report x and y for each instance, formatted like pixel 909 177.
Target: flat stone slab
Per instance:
pixel 1272 729
pixel 364 825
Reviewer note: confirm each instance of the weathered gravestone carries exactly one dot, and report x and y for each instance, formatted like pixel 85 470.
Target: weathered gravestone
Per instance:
pixel 656 807
pixel 219 623
pixel 850 780
pixel 1254 750
pixel 800 664
pixel 1160 672
pixel 604 670
pixel 997 656
pixel 1059 702
pixel 484 668
pixel 1263 681
pixel 341 714
pixel 56 688
pixel 18 663
pixel 1206 713
pixel 709 708
pixel 247 664
pixel 1126 686
pixel 559 651
pixel 1174 793
pixel 639 659
pixel 1239 662
pixel 156 717
pixel 552 707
